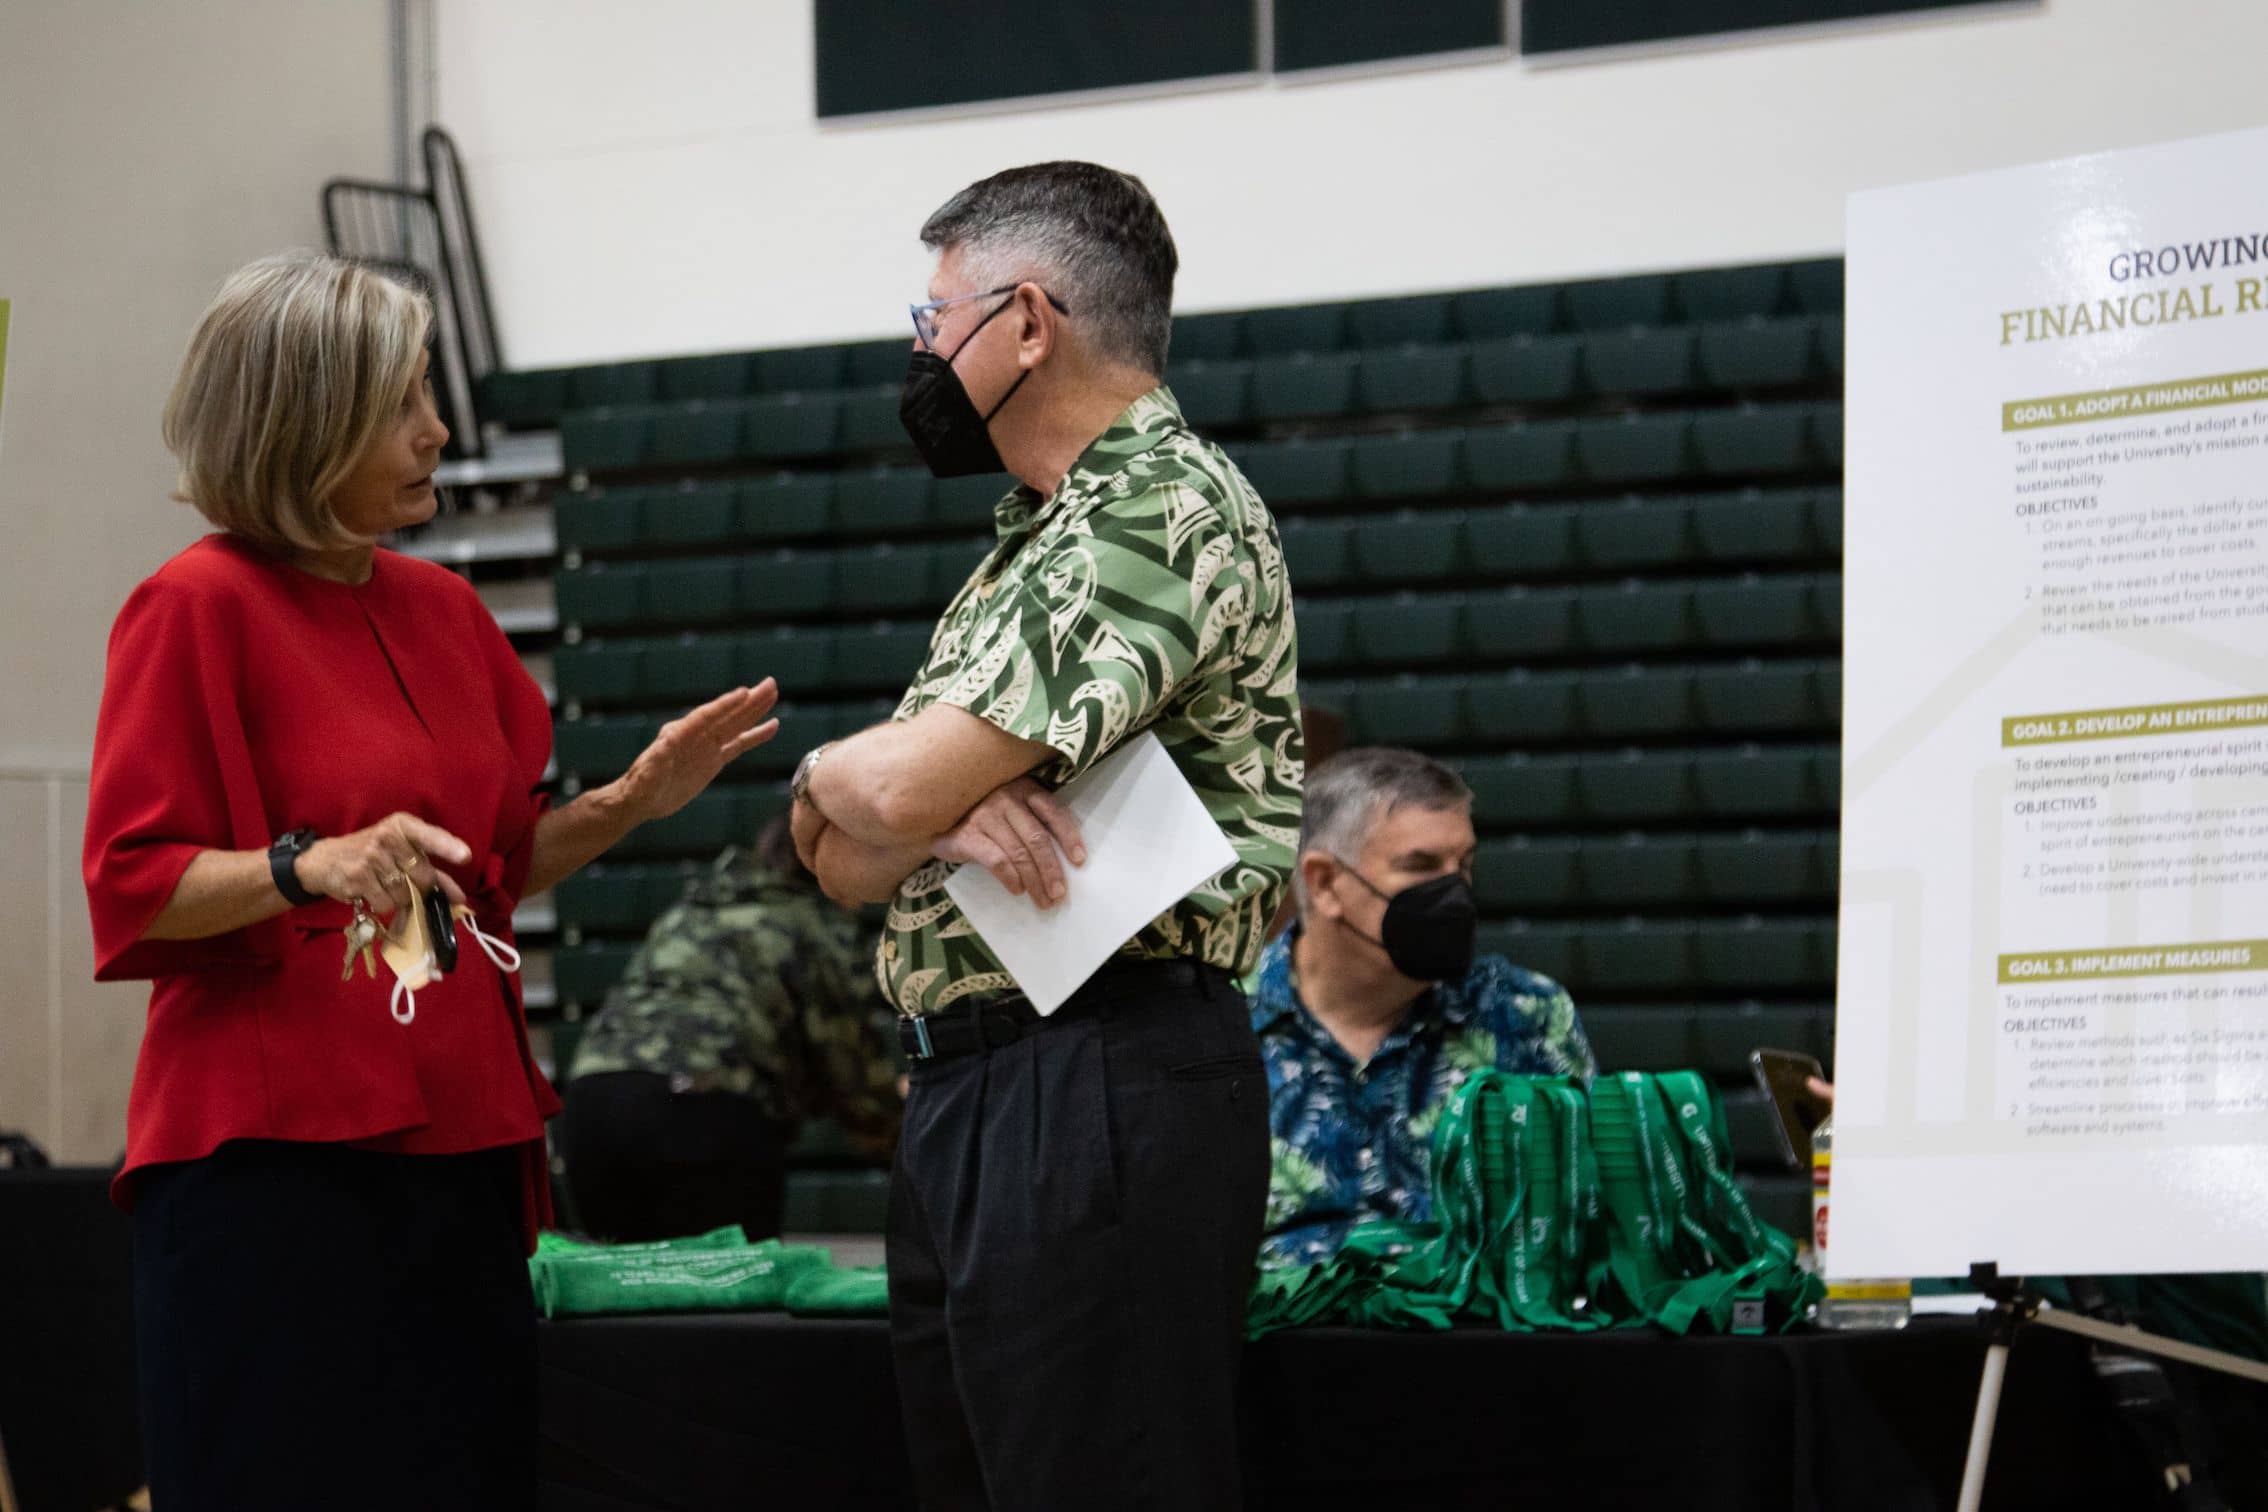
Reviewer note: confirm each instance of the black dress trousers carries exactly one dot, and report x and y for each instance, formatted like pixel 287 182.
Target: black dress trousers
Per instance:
pixel 1073 1223
pixel 320 1326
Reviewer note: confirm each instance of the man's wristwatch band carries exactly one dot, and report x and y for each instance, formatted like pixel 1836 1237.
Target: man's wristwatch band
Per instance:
pixel 282 854
pixel 799 786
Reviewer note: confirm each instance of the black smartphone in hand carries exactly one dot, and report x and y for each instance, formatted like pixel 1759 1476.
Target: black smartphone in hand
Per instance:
pixel 1782 1074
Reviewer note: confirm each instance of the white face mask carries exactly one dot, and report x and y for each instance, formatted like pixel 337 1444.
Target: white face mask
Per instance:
pixel 411 954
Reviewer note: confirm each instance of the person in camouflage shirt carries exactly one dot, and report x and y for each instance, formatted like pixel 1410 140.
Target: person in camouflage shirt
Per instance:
pixel 1078 1197
pixel 749 1009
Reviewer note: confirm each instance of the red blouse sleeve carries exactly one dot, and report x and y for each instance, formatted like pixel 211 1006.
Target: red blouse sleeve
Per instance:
pixel 172 776
pixel 526 717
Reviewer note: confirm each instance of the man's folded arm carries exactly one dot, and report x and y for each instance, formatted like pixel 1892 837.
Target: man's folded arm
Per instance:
pixel 903 784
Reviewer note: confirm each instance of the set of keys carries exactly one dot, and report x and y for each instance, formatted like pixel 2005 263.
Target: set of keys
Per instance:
pixel 361 939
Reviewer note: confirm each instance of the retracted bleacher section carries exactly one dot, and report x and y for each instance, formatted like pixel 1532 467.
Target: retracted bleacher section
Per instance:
pixel 1583 539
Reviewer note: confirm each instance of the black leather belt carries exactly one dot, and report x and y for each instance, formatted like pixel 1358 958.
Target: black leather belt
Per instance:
pixel 991 1022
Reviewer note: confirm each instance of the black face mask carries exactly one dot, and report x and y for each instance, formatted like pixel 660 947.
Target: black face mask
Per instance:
pixel 1428 932
pixel 937 413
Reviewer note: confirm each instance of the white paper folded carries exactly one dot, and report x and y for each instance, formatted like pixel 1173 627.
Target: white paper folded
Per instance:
pixel 1149 844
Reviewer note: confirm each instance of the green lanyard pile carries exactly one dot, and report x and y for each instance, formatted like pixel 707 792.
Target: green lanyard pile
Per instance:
pixel 1557 1209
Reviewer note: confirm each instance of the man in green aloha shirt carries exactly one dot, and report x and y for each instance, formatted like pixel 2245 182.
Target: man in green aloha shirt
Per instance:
pixel 1078 1198
pixel 750 1008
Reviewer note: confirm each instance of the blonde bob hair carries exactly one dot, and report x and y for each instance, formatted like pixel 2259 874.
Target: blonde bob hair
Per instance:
pixel 297 367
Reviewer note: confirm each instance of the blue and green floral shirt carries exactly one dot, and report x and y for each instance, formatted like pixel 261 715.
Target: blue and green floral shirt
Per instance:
pixel 1350 1143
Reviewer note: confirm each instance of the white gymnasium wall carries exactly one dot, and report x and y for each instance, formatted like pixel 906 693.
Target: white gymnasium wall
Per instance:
pixel 653 181
pixel 146 149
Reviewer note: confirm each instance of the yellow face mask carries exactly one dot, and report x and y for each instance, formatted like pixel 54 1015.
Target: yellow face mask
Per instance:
pixel 418 954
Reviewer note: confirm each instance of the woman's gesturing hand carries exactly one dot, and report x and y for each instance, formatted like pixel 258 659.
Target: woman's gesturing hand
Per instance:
pixel 378 864
pixel 689 752
pixel 1014 833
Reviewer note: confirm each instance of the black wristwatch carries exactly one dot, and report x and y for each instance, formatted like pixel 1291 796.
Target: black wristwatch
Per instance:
pixel 286 850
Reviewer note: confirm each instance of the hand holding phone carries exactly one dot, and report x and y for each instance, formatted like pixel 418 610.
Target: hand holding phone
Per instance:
pixel 1784 1074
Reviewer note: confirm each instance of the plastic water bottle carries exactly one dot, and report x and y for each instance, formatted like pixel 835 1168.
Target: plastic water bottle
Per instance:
pixel 1871 1303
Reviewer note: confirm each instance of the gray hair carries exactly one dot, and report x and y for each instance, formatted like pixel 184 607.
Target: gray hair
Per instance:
pixel 1350 793
pixel 1091 236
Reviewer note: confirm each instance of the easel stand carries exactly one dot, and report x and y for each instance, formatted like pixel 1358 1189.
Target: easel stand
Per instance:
pixel 2012 1308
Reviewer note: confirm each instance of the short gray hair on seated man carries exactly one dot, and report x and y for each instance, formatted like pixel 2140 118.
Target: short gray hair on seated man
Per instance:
pixel 1349 794
pixel 1090 235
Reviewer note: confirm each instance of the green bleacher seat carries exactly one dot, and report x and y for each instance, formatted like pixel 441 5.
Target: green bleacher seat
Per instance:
pixel 1208 338
pixel 1636 616
pixel 619 898
pixel 785 584
pixel 1649 1038
pixel 1298 328
pixel 522 401
pixel 584 973
pixel 1818 286
pixel 1409 629
pixel 1827 432
pixel 969 502
pixel 1623 535
pixel 1525 369
pixel 870 419
pixel 1756 353
pixel 1333 694
pixel 1415 320
pixel 1409 546
pixel 1521 707
pixel 1636 701
pixel 1411 378
pixel 783 507
pixel 600 595
pixel 1486 314
pixel 605 440
pixel 819 367
pixel 1520 540
pixel 1300 385
pixel 790 425
pixel 1754 954
pixel 1297 471
pixel 1827 520
pixel 1763 866
pixel 713 820
pixel 1730 293
pixel 800 656
pixel 1639 955
pixel 1827 774
pixel 1521 791
pixel 1520 456
pixel 1635 448
pixel 691 669
pixel 1526 874
pixel 696 432
pixel 696 592
pixel 597 521
pixel 1410 710
pixel 1754 438
pixel 1831 344
pixel 1641 360
pixel 1729 1031
pixel 1635 786
pixel 1547 949
pixel 1637 871
pixel 877 362
pixel 1761 525
pixel 1827 604
pixel 1407 464
pixel 613 385
pixel 690 515
pixel 881 501
pixel 1782 1201
pixel 1326 630
pixel 1753 610
pixel 950 565
pixel 603 745
pixel 1521 624
pixel 1757 781
pixel 885 579
pixel 1755 697
pixel 1607 304
pixel 882 657
pixel 722 375
pixel 1212 393
pixel 598 671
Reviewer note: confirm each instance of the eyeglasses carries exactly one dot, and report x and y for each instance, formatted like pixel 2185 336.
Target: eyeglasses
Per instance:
pixel 927 318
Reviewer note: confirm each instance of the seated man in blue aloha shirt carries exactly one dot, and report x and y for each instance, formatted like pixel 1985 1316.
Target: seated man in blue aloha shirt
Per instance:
pixel 1374 1009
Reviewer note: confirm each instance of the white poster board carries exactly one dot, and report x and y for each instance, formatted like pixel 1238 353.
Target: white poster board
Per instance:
pixel 2052 1034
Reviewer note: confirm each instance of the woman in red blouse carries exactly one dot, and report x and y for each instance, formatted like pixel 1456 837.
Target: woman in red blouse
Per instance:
pixel 332 1205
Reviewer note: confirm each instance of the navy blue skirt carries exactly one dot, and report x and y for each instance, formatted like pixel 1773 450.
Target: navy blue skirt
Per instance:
pixel 320 1326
